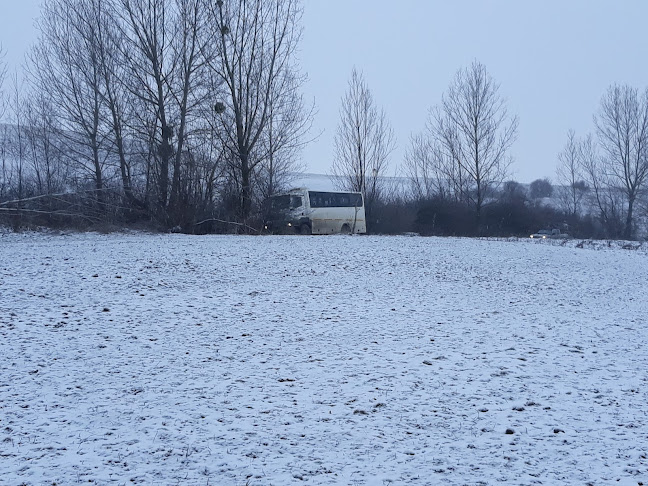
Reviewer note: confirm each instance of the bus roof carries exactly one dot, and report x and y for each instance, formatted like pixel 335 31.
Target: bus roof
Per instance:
pixel 301 190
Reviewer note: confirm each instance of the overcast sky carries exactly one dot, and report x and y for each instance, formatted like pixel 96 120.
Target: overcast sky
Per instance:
pixel 554 59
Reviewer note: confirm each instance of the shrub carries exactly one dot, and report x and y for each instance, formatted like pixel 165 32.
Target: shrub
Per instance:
pixel 540 188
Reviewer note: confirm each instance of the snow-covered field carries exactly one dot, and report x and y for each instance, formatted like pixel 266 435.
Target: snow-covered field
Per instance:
pixel 225 360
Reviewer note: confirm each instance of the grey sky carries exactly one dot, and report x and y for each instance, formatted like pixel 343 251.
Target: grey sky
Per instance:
pixel 554 60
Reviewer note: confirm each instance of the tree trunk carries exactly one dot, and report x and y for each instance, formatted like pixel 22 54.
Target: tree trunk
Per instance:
pixel 98 175
pixel 163 184
pixel 628 233
pixel 246 189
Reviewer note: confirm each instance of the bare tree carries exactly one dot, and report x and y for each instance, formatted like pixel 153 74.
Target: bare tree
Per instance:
pixel 4 130
pixel 606 198
pixel 622 129
pixel 254 70
pixel 189 88
pixel 572 187
pixel 363 142
pixel 280 147
pixel 145 51
pixel 474 132
pixel 3 75
pixel 17 148
pixel 432 172
pixel 43 147
pixel 5 167
pixel 162 46
pixel 421 167
pixel 65 65
pixel 113 77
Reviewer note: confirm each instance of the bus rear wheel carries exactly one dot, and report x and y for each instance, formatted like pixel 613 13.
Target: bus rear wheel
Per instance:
pixel 346 229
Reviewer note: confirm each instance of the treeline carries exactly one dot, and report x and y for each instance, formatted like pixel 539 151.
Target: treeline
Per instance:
pixel 187 114
pixel 457 167
pixel 512 210
pixel 175 111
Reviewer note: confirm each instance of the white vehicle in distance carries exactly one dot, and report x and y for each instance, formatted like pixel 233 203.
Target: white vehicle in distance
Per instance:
pixel 553 234
pixel 308 212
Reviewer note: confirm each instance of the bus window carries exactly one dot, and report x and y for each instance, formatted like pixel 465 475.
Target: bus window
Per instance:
pixel 335 199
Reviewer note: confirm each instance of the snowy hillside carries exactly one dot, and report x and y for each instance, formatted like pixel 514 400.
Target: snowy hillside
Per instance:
pixel 324 182
pixel 224 360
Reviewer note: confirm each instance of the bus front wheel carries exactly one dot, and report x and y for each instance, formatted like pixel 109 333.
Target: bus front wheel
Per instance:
pixel 304 229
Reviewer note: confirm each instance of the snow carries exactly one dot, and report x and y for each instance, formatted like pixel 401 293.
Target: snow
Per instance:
pixel 230 360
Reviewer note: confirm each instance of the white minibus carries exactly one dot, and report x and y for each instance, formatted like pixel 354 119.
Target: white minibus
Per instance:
pixel 304 211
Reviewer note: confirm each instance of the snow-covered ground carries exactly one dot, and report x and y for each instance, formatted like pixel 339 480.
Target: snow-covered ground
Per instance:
pixel 225 360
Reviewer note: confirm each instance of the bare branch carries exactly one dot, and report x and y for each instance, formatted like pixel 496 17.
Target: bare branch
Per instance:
pixel 252 56
pixel 363 142
pixel 622 129
pixel 468 138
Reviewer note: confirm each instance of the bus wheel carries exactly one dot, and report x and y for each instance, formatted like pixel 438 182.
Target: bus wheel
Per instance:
pixel 346 229
pixel 304 229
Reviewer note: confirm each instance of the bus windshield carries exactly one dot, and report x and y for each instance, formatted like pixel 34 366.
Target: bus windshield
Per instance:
pixel 286 201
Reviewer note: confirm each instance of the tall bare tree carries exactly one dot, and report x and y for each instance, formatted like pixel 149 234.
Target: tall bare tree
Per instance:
pixel 606 198
pixel 104 18
pixel 190 86
pixel 571 186
pixel 254 68
pixel 363 142
pixel 163 46
pixel 474 131
pixel 5 134
pixel 43 146
pixel 145 51
pixel 65 64
pixel 3 75
pixel 4 130
pixel 432 170
pixel 288 123
pixel 622 129
pixel 421 167
pixel 17 143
